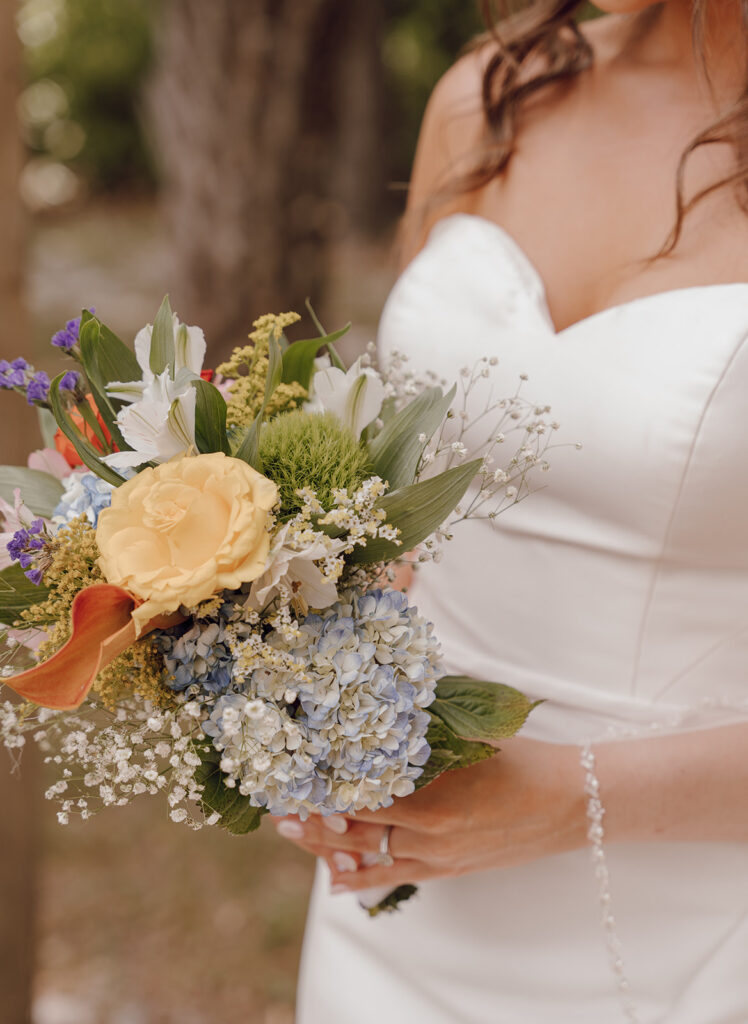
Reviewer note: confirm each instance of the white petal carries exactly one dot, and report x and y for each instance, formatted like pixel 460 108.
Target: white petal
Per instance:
pixel 330 388
pixel 143 349
pixel 190 347
pixel 127 391
pixel 364 402
pixel 181 419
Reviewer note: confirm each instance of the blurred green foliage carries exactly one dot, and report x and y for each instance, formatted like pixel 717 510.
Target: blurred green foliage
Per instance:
pixel 421 40
pixel 86 61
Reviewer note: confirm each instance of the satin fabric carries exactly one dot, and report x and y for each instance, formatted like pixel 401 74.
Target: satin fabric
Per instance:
pixel 619 594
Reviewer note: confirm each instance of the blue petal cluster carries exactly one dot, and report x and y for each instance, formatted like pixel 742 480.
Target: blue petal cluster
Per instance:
pixel 197 653
pixel 350 731
pixel 86 494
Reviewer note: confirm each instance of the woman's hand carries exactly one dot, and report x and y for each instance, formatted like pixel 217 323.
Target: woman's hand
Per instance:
pixel 525 803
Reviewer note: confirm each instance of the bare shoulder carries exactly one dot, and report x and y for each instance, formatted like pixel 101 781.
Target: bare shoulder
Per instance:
pixel 450 135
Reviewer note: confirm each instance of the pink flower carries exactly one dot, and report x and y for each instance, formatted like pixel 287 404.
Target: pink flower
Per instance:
pixel 49 460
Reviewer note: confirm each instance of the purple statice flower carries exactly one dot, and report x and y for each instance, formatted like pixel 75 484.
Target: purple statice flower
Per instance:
pixel 70 381
pixel 38 389
pixel 13 375
pixel 67 338
pixel 27 547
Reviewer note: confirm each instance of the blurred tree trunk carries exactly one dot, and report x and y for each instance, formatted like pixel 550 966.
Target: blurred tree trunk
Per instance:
pixel 266 118
pixel 17 794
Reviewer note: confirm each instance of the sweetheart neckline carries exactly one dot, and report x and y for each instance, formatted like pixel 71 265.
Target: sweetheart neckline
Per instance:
pixel 511 242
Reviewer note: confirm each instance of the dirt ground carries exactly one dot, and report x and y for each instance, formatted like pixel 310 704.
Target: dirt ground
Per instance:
pixel 142 921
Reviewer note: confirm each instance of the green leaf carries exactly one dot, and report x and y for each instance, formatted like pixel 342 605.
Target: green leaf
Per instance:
pixel 298 359
pixel 479 710
pixel 47 426
pixel 82 445
pixel 275 370
pixel 249 446
pixel 396 450
pixel 105 360
pixel 417 510
pixel 393 900
pixel 162 340
pixel 40 491
pixel 104 355
pixel 17 593
pixel 450 751
pixel 210 418
pixel 238 816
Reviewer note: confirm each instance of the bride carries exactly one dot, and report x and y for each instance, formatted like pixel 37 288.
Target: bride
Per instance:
pixel 578 210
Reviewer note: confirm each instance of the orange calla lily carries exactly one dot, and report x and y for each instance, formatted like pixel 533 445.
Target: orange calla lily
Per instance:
pixel 102 629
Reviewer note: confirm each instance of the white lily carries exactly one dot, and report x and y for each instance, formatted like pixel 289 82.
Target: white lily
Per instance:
pixel 296 570
pixel 355 396
pixel 159 421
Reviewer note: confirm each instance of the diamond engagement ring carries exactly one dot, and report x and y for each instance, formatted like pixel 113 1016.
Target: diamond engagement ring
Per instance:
pixel 385 858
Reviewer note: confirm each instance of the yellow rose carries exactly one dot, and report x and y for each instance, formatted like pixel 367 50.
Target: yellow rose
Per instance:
pixel 181 532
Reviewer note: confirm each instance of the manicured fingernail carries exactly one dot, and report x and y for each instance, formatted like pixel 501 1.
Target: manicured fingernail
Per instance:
pixel 290 829
pixel 335 889
pixel 344 862
pixel 368 860
pixel 336 824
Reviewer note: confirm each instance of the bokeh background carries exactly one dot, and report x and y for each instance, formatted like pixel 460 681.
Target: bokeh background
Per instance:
pixel 241 155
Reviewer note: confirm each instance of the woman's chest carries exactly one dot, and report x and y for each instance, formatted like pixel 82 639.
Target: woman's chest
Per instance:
pixel 592 202
pixel 654 391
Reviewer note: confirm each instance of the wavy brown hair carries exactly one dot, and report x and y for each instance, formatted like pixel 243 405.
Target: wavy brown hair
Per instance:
pixel 541 44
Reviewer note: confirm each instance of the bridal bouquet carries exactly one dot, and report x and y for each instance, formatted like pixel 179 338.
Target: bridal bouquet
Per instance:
pixel 195 583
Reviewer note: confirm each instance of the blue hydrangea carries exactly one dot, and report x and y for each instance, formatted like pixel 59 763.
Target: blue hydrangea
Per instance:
pixel 197 653
pixel 86 494
pixel 350 731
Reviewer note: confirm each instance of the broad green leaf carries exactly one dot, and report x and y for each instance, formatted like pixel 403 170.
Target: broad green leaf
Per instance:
pixel 162 340
pixel 210 418
pixel 298 359
pixel 238 816
pixel 417 510
pixel 82 445
pixel 396 450
pixel 17 593
pixel 105 357
pixel 41 492
pixel 479 710
pixel 450 751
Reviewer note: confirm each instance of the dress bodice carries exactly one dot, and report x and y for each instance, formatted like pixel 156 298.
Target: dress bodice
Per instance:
pixel 618 591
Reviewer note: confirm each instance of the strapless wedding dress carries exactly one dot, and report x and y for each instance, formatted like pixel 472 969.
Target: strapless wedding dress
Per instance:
pixel 619 594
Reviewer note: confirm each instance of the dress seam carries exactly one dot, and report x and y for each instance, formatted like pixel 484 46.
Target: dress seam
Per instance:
pixel 657 567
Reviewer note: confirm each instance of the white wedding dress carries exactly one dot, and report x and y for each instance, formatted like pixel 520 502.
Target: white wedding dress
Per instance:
pixel 619 594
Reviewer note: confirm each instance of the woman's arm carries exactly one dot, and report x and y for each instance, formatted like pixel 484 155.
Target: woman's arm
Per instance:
pixel 449 138
pixel 528 803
